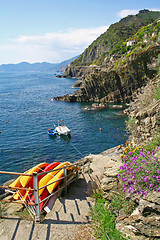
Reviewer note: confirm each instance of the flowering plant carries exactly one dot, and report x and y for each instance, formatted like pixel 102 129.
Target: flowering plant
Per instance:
pixel 141 172
pixel 128 148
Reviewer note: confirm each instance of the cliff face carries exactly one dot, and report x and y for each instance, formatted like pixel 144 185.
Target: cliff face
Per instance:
pixel 117 85
pixel 118 74
pixel 144 113
pixel 78 71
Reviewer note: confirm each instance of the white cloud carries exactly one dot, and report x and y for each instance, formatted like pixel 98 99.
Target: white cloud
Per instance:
pixel 71 39
pixel 51 47
pixel 126 12
pixel 154 9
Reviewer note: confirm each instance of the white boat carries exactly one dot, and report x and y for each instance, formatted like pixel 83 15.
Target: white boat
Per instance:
pixel 62 129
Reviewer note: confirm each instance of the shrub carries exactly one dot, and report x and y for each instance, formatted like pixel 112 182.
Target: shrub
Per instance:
pixel 120 202
pixel 141 172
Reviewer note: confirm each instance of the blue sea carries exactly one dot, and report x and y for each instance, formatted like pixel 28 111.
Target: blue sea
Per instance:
pixel 26 113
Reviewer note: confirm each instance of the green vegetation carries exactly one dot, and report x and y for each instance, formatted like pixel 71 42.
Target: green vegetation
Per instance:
pixel 131 125
pixel 145 38
pixel 120 202
pixel 103 219
pixel 97 194
pixel 103 222
pixel 157 92
pixel 154 143
pixel 114 39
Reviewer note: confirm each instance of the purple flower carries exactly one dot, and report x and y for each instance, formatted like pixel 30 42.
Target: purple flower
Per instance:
pixel 158 171
pixel 130 153
pixel 135 183
pixel 123 179
pixel 151 185
pixel 146 179
pixel 145 194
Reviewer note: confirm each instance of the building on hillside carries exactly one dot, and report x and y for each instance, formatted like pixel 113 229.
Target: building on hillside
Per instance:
pixel 131 43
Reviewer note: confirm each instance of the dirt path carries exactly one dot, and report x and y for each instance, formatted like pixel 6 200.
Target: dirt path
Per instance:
pixel 69 218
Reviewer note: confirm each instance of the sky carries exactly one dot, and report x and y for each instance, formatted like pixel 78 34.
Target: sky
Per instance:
pixel 56 30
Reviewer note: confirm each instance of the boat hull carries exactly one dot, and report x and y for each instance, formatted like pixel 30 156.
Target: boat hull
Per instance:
pixel 52 132
pixel 63 130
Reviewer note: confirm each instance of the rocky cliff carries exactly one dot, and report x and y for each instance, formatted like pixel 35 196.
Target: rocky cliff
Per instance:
pixel 122 72
pixel 117 84
pixel 144 114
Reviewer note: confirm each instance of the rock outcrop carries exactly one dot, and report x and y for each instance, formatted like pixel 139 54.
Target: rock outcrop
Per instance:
pixel 144 222
pixel 117 85
pixel 144 113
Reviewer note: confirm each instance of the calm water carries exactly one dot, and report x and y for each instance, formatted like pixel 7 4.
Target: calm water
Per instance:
pixel 26 113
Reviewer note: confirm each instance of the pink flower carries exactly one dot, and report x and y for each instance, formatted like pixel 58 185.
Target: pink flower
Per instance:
pixel 130 153
pixel 158 171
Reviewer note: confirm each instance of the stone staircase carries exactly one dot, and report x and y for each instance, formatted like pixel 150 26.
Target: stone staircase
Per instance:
pixel 66 219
